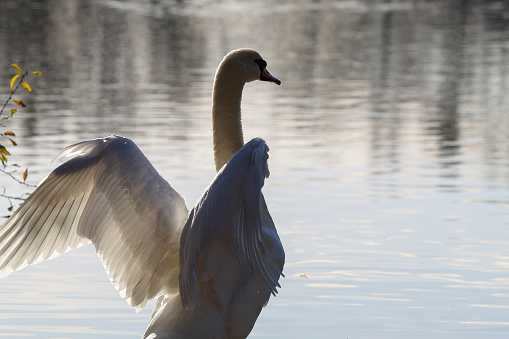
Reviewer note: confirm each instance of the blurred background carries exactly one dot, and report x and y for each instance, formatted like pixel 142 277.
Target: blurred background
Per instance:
pixel 389 155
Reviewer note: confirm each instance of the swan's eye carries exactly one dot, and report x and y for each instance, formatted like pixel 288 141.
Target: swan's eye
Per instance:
pixel 261 63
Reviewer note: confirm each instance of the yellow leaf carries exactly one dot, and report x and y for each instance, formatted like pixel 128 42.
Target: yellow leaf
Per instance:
pixel 13 80
pixel 10 133
pixel 37 73
pixel 16 67
pixel 14 143
pixel 27 86
pixel 13 110
pixel 3 158
pixel 19 103
pixel 25 174
pixel 4 151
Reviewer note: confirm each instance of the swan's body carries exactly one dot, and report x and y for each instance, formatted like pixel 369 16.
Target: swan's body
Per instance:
pixel 213 268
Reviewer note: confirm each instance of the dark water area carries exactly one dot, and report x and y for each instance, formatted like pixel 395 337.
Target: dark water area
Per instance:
pixel 389 155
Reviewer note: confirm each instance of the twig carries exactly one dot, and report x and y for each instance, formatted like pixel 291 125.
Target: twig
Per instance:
pixel 9 197
pixel 16 179
pixel 10 96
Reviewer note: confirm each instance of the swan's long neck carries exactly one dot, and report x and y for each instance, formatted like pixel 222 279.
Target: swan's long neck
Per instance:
pixel 226 117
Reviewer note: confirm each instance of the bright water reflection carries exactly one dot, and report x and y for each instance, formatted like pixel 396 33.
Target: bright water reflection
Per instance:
pixel 389 152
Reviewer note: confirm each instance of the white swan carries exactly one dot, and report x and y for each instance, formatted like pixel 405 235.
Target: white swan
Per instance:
pixel 213 268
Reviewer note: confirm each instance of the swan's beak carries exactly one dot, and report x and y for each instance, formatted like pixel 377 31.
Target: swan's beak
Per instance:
pixel 266 76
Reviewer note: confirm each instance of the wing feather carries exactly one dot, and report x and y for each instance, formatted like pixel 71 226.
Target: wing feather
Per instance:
pixel 229 210
pixel 107 193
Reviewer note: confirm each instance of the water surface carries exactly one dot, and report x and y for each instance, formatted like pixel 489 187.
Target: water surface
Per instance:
pixel 389 153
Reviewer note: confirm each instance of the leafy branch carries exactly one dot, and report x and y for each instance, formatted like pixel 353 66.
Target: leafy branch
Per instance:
pixel 16 81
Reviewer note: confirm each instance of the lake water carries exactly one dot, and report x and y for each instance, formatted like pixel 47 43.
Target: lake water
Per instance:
pixel 389 152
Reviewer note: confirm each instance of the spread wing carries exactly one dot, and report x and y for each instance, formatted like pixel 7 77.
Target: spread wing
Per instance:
pixel 107 193
pixel 229 213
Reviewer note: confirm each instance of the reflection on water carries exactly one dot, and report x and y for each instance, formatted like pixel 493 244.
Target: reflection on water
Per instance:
pixel 389 152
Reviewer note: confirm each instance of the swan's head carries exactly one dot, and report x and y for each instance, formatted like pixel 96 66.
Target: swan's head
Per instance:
pixel 251 63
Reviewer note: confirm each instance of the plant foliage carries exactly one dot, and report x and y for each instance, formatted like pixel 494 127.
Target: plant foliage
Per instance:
pixel 7 137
